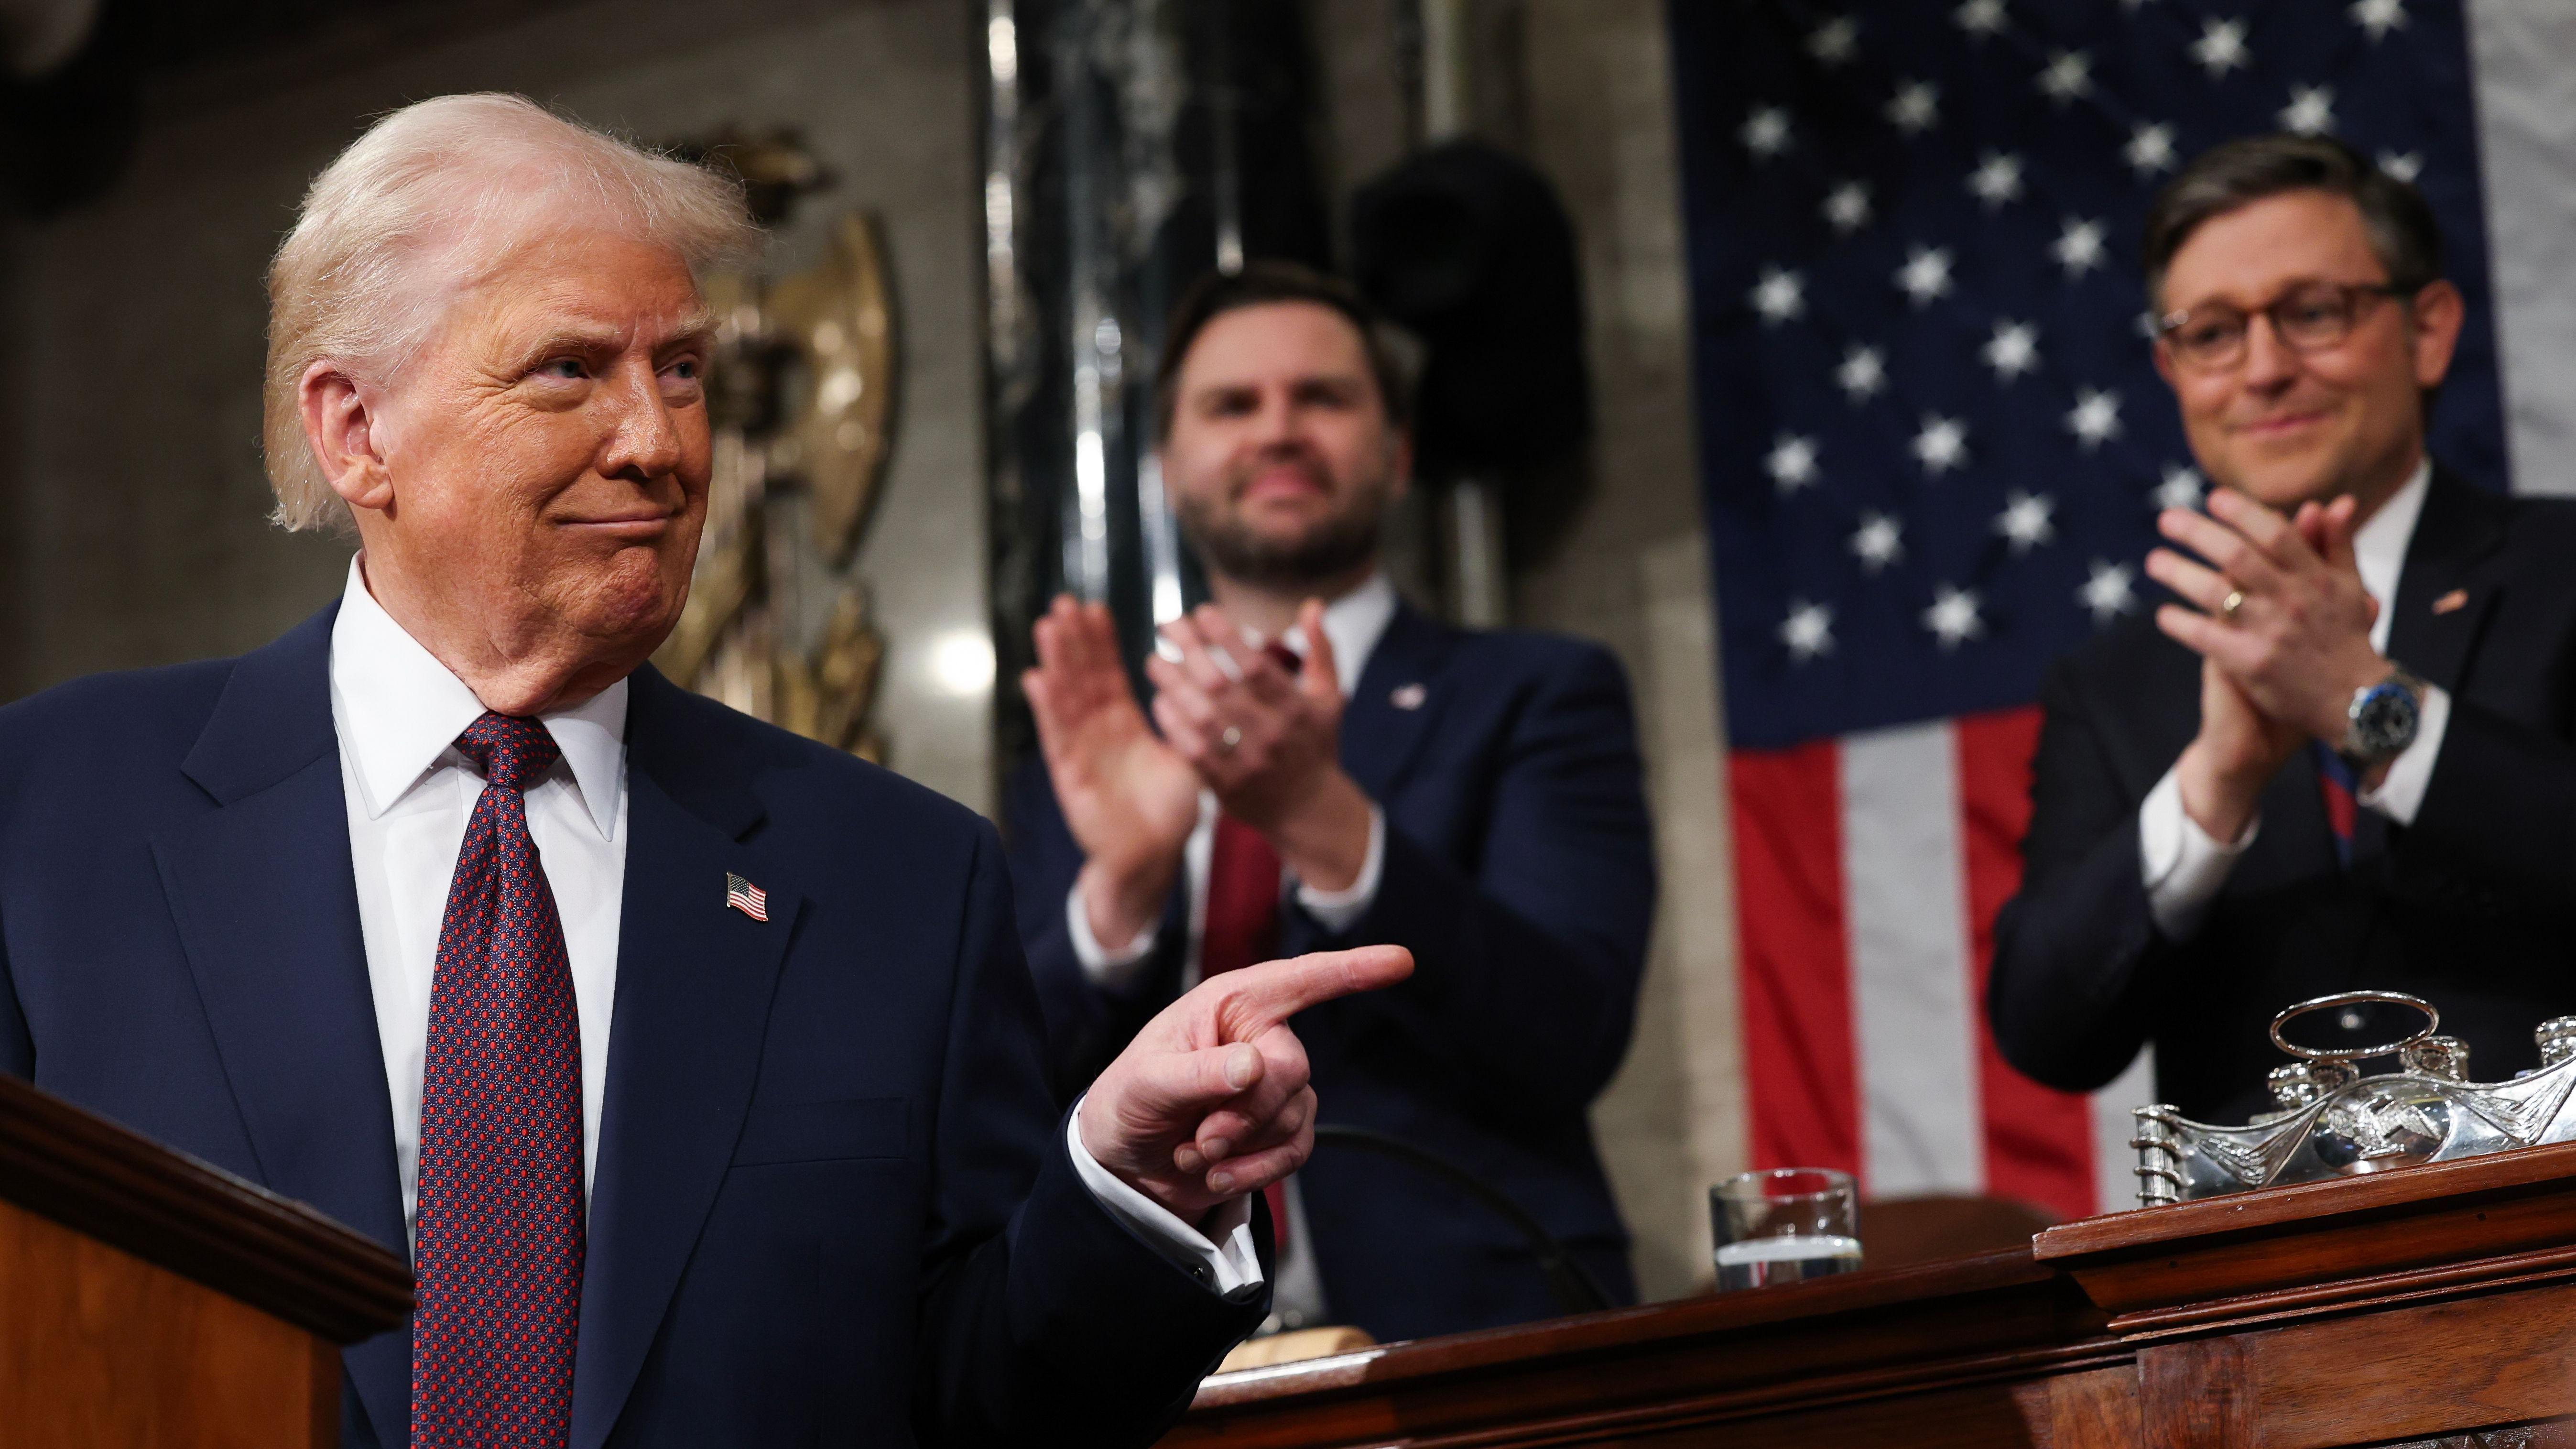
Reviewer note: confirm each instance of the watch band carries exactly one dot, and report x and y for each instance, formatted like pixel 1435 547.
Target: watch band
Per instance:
pixel 2383 718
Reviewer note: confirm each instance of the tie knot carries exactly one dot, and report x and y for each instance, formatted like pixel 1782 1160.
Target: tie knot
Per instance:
pixel 509 749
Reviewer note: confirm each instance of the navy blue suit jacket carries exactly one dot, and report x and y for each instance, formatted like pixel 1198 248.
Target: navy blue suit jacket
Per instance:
pixel 1519 870
pixel 2472 907
pixel 833 1202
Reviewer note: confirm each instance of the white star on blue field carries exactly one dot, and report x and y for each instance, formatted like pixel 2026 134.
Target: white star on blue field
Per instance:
pixel 1933 439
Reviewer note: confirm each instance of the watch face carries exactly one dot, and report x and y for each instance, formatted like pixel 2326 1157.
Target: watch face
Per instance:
pixel 2385 719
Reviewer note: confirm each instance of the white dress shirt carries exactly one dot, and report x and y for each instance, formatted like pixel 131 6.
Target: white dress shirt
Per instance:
pixel 2185 867
pixel 1353 623
pixel 397 712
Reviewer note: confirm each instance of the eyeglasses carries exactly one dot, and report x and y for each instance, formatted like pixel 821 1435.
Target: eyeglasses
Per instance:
pixel 2310 317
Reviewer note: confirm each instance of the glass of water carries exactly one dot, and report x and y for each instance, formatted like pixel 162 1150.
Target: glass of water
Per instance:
pixel 1784 1225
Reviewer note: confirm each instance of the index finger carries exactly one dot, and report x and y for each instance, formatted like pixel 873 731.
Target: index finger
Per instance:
pixel 1261 997
pixel 2227 550
pixel 2261 526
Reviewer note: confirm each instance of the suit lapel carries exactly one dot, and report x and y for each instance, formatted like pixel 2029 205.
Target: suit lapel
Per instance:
pixel 2458 531
pixel 2445 595
pixel 267 908
pixel 1399 691
pixel 694 980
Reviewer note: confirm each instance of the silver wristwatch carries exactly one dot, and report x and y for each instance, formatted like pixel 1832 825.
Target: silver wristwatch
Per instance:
pixel 2382 719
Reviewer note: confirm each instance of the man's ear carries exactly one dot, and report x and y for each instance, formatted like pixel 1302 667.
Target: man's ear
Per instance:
pixel 2438 312
pixel 342 430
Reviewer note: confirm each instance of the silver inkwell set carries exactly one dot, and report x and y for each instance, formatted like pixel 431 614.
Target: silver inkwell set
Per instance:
pixel 2331 1121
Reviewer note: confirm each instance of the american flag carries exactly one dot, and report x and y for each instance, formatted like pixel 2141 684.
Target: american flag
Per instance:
pixel 747 898
pixel 1933 444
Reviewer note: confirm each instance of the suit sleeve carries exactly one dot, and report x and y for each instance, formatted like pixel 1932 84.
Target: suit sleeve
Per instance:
pixel 1526 964
pixel 1042 1318
pixel 2496 833
pixel 17 1049
pixel 1085 1025
pixel 2076 950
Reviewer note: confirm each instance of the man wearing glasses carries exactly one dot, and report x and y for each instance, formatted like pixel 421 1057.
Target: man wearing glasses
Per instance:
pixel 2341 757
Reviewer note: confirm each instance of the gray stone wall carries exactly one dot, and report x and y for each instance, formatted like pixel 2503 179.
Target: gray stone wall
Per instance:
pixel 141 501
pixel 1630 568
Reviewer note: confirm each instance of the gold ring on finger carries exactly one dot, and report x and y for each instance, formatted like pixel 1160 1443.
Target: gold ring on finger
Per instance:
pixel 2228 606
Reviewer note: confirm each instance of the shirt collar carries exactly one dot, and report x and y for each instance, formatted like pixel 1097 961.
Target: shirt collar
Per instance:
pixel 398 710
pixel 2379 545
pixel 1354 623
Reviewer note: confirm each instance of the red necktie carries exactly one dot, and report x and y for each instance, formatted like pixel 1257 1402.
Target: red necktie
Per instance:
pixel 1242 927
pixel 500 1235
pixel 2337 784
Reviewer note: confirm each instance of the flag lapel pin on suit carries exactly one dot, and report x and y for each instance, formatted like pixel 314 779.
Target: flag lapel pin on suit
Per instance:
pixel 1408 696
pixel 2451 602
pixel 747 898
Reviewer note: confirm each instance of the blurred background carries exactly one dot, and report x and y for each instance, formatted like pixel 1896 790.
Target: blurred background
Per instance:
pixel 1604 223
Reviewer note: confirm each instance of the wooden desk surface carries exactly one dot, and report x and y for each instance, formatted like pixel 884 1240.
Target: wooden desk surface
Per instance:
pixel 2399 1307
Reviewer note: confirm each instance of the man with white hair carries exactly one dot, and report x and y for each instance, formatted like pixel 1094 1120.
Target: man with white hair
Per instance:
pixel 694 1065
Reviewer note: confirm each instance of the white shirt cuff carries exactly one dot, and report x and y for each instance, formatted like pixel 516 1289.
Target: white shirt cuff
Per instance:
pixel 2401 791
pixel 2184 867
pixel 1220 1269
pixel 1338 911
pixel 1109 970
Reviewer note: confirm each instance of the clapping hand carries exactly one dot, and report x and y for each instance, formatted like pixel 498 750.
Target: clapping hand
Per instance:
pixel 1211 1100
pixel 2285 611
pixel 1128 799
pixel 2284 641
pixel 1264 734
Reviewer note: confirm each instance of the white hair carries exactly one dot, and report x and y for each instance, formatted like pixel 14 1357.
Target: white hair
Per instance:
pixel 458 181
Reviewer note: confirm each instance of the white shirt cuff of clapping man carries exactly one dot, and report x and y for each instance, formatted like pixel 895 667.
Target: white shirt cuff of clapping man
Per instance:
pixel 1221 1269
pixel 2401 791
pixel 1336 911
pixel 2184 866
pixel 1113 971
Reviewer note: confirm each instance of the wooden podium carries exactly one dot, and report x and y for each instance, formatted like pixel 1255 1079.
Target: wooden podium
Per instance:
pixel 147 1299
pixel 2432 1305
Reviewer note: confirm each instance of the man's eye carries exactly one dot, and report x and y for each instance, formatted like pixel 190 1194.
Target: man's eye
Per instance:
pixel 2212 333
pixel 688 369
pixel 564 367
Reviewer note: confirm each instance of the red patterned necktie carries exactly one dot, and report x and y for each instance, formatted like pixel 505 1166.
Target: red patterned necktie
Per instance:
pixel 1242 927
pixel 499 1254
pixel 2338 786
pixel 1242 922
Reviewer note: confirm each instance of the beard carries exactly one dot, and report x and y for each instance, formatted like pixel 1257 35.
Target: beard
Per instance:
pixel 1326 549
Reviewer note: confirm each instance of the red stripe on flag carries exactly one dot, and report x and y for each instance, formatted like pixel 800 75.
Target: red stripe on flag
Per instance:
pixel 2039 1142
pixel 1795 972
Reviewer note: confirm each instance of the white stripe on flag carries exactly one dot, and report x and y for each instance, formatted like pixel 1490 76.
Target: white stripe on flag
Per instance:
pixel 2523 56
pixel 1905 892
pixel 2115 1162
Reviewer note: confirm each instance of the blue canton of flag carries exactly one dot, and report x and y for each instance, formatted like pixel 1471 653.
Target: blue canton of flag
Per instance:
pixel 1932 437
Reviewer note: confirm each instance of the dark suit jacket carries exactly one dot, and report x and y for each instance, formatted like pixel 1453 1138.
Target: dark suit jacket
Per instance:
pixel 2473 907
pixel 833 1203
pixel 1519 869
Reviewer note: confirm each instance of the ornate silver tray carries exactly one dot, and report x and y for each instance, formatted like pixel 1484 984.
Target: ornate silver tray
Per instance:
pixel 2332 1121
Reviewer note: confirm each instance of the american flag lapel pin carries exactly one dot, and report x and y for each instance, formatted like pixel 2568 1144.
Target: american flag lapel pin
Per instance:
pixel 747 898
pixel 2452 602
pixel 1408 696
